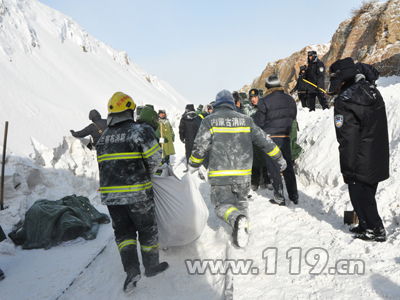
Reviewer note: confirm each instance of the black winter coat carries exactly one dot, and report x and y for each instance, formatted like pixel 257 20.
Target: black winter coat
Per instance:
pixel 301 86
pixel 362 133
pixel 315 73
pixel 276 112
pixel 188 127
pixel 95 129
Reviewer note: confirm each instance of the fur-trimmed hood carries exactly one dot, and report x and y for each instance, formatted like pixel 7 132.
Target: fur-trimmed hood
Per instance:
pixel 270 91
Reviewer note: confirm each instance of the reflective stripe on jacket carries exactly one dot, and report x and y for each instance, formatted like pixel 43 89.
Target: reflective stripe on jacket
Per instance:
pixel 128 153
pixel 227 137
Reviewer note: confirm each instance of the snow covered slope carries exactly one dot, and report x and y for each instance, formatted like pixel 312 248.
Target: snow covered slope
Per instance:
pixel 52 72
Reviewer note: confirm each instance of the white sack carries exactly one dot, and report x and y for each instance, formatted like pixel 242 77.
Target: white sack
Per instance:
pixel 180 209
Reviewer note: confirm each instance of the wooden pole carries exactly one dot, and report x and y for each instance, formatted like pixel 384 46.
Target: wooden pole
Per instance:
pixel 3 165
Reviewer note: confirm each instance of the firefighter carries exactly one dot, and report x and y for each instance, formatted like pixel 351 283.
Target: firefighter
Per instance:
pixel 128 154
pixel 227 136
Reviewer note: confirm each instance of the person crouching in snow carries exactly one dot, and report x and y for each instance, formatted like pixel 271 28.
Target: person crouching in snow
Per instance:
pixel 128 154
pixel 227 137
pixel 166 136
pixel 362 134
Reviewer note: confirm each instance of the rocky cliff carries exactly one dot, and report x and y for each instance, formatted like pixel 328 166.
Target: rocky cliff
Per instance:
pixel 372 36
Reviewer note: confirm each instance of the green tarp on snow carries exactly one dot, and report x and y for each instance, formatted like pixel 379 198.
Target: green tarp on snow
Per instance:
pixel 48 223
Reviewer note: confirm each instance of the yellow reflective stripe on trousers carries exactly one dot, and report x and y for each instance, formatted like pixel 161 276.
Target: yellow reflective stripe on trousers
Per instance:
pixel 126 155
pixel 126 243
pixel 220 173
pixel 196 160
pixel 149 248
pixel 151 151
pixel 274 152
pixel 229 129
pixel 125 188
pixel 228 213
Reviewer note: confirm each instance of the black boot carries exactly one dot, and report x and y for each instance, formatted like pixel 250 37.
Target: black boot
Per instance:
pixel 278 199
pixel 132 277
pixel 130 262
pixel 295 199
pixel 152 263
pixel 153 271
pixel 2 276
pixel 240 232
pixel 358 229
pixel 254 187
pixel 377 235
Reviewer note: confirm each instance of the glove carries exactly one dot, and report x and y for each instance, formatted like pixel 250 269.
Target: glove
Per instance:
pixel 282 163
pixel 72 132
pixel 192 170
pixel 162 141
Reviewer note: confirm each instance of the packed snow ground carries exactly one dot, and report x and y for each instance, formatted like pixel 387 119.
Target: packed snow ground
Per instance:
pixel 317 222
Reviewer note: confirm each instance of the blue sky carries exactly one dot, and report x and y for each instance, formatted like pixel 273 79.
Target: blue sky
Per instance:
pixel 201 47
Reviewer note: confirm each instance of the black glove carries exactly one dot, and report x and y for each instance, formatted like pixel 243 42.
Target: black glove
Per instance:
pixel 72 132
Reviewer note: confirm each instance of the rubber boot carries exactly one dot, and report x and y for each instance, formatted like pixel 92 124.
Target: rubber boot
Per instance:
pixel 152 264
pixel 130 262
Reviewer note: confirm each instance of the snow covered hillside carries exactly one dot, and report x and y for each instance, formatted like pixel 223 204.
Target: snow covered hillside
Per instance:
pixel 52 73
pixel 315 224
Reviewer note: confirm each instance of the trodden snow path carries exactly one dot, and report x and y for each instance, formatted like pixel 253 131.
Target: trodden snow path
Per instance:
pixel 105 277
pixel 308 227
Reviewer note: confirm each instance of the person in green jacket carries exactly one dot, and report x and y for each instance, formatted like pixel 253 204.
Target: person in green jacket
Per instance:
pixel 148 116
pixel 295 148
pixel 166 136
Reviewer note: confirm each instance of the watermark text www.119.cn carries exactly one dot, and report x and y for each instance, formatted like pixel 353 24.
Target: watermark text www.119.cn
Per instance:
pixel 314 261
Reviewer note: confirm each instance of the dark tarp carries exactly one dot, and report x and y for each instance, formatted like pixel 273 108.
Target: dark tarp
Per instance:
pixel 2 235
pixel 48 223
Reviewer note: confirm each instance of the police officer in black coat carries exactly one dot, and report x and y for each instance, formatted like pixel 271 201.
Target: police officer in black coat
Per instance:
pixel 95 129
pixel 275 115
pixel 362 133
pixel 301 87
pixel 315 73
pixel 188 127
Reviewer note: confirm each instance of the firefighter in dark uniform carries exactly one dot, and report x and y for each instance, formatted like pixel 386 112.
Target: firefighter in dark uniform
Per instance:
pixel 315 75
pixel 227 137
pixel 128 154
pixel 362 133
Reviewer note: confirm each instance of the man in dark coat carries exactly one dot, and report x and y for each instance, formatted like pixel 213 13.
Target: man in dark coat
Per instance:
pixel 315 74
pixel 95 129
pixel 188 127
pixel 362 133
pixel 128 155
pixel 275 115
pixel 259 172
pixel 301 87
